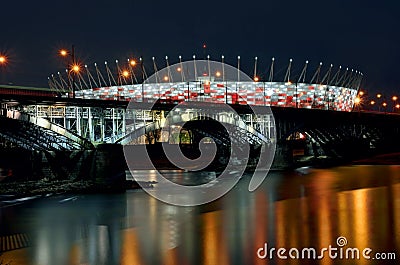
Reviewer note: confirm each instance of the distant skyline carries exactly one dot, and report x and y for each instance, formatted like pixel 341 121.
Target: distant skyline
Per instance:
pixel 362 35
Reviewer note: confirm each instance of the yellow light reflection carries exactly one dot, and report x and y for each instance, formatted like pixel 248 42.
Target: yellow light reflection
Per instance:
pixel 215 251
pixel 130 253
pixel 396 211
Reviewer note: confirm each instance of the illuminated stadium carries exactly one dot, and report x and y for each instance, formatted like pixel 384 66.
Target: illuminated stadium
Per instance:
pixel 217 82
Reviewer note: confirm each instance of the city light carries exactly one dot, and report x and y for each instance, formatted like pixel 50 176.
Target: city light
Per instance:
pixel 361 93
pixel 166 78
pixel 76 68
pixel 218 74
pixel 125 73
pixel 379 95
pixel 357 100
pixel 256 79
pixel 178 69
pixel 394 98
pixel 372 102
pixel 384 104
pixel 3 59
pixel 63 52
pixel 132 62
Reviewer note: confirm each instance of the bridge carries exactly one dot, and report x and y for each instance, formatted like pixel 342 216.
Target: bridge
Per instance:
pixel 304 119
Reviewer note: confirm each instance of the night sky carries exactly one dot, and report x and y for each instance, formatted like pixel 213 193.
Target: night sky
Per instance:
pixel 363 35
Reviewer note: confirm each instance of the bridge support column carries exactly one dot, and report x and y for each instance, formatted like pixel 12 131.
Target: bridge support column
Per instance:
pixel 123 122
pixel 78 122
pixel 90 124
pixel 109 171
pixel 114 124
pixel 283 156
pixel 102 127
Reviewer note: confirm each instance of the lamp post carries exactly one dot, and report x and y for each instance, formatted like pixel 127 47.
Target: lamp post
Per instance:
pixel 379 96
pixel 73 67
pixel 394 98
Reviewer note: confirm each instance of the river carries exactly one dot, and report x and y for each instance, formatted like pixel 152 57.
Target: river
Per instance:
pixel 342 208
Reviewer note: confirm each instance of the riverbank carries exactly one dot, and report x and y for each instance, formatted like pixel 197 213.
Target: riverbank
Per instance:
pixel 43 187
pixel 385 159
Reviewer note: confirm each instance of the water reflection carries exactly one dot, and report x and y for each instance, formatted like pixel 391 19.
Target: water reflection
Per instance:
pixel 289 210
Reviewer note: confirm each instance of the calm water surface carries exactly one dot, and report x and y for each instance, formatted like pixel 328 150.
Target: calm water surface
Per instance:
pixel 298 209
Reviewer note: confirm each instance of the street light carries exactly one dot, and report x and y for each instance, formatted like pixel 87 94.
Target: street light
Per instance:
pixel 394 98
pixel 125 73
pixel 384 104
pixel 3 59
pixel 357 103
pixel 75 68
